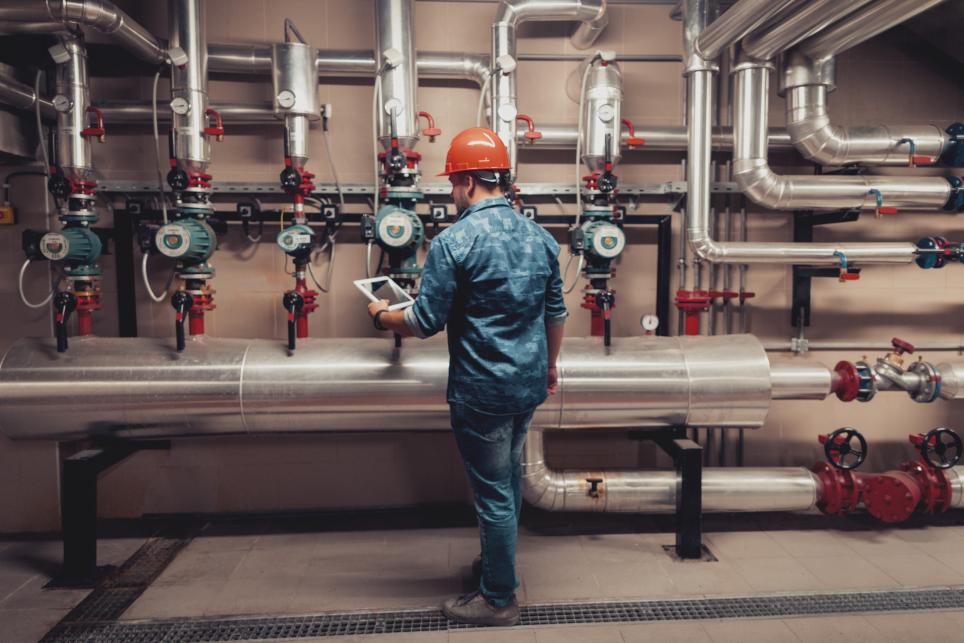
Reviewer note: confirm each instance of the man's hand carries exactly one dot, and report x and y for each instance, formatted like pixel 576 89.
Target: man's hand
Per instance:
pixel 553 380
pixel 376 306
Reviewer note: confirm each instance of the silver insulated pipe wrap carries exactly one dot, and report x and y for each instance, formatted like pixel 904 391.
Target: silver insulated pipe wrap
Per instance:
pixel 395 32
pixel 294 80
pixel 189 85
pixel 73 99
pixel 602 115
pixel 142 387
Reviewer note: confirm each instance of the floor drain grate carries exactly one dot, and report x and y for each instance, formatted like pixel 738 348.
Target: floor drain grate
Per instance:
pixel 361 623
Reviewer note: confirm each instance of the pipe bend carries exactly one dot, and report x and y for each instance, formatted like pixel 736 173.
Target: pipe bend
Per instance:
pixel 542 487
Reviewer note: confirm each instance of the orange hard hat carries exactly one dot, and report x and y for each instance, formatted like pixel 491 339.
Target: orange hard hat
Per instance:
pixel 476 148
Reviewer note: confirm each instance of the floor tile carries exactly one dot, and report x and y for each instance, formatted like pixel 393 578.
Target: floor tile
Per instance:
pixel 664 633
pixel 184 600
pixel 743 544
pixel 577 634
pixel 847 572
pixel 833 629
pixel 21 626
pixel 692 577
pixel 917 570
pixel 810 542
pixel 493 636
pixel 913 626
pixel 745 631
pixel 783 574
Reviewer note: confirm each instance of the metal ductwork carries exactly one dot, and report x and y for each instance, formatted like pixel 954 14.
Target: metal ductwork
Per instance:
pixel 142 387
pixel 510 15
pixel 602 116
pixel 807 84
pixel 73 102
pixel 22 96
pixel 102 15
pixel 809 19
pixel 736 22
pixel 189 85
pixel 657 137
pixel 395 48
pixel 627 491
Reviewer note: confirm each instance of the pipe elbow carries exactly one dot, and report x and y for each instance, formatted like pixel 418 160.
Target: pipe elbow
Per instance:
pixel 759 183
pixel 704 247
pixel 589 31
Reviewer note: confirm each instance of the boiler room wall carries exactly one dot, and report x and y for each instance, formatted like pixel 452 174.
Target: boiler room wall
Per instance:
pixel 877 82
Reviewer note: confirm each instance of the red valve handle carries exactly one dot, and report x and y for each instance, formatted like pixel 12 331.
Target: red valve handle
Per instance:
pixel 887 209
pixel 98 130
pixel 531 133
pixel 921 159
pixel 431 131
pixel 218 129
pixel 633 141
pixel 901 346
pixel 846 275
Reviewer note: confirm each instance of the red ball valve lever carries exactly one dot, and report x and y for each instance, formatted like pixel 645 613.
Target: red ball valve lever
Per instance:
pixel 217 130
pixel 97 129
pixel 633 141
pixel 881 209
pixel 847 272
pixel 531 134
pixel 913 158
pixel 431 131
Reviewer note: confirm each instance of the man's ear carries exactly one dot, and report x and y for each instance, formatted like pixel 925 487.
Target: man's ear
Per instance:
pixel 469 184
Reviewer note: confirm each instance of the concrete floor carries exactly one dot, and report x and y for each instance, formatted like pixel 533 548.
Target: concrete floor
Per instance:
pixel 245 571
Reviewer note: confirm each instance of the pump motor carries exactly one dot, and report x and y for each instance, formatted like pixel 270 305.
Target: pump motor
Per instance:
pixel 398 230
pixel 74 245
pixel 188 240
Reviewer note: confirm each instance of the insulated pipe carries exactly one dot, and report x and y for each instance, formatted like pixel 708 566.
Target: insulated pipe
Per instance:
pixel 602 116
pixel 657 137
pixel 22 96
pixel 510 15
pixel 799 380
pixel 141 387
pixel 394 36
pixel 735 23
pixel 863 25
pixel 189 85
pixel 139 112
pixel 752 172
pixel 73 90
pixel 767 42
pixel 32 28
pixel 102 15
pixel 252 59
pixel 819 140
pixel 724 490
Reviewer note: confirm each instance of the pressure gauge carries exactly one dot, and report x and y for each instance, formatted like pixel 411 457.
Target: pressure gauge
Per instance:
pixel 180 106
pixel 286 99
pixel 393 106
pixel 507 112
pixel 649 323
pixel 606 112
pixel 62 104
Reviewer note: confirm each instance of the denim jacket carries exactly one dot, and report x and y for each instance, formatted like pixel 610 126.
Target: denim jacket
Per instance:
pixel 493 279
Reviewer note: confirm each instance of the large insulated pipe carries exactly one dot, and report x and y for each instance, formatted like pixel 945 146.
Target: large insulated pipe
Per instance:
pixel 752 171
pixel 102 15
pixel 256 59
pixel 770 40
pixel 395 47
pixel 807 85
pixel 724 490
pixel 510 15
pixel 189 85
pixel 142 387
pixel 602 116
pixel 22 96
pixel 739 20
pixel 295 84
pixel 72 105
pixel 863 25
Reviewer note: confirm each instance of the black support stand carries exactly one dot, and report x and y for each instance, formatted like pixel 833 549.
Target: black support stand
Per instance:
pixel 78 508
pixel 688 460
pixel 803 224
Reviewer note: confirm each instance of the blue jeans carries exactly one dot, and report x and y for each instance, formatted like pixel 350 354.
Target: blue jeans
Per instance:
pixel 491 447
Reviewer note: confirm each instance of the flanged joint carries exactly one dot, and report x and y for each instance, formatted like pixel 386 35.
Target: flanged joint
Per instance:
pixel 892 497
pixel 853 381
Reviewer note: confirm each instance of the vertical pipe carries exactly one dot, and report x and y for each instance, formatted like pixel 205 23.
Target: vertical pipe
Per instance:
pixel 189 84
pixel 73 148
pixel 663 273
pixel 394 32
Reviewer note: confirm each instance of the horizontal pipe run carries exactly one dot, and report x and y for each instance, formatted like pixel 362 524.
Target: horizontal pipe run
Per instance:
pixel 656 137
pixel 799 380
pixel 739 20
pixel 803 346
pixel 810 19
pixel 724 489
pixel 22 96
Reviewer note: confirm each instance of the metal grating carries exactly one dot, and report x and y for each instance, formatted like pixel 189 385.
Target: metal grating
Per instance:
pixel 362 623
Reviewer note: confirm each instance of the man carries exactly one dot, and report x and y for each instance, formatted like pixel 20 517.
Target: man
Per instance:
pixel 492 278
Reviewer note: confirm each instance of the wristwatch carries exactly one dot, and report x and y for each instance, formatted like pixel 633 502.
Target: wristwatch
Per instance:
pixel 377 320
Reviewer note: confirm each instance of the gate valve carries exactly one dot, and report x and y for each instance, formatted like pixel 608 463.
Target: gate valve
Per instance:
pixel 217 130
pixel 605 300
pixel 394 159
pixel 881 209
pixel 431 131
pixel 852 381
pixel 915 159
pixel 64 304
pixel 293 302
pixel 181 302
pixel 531 134
pixel 847 272
pixel 595 487
pixel 98 129
pixel 932 252
pixel 58 184
pixel 940 448
pixel 895 357
pixel 839 445
pixel 633 141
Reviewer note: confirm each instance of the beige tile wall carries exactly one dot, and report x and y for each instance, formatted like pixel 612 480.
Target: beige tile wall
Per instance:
pixel 877 81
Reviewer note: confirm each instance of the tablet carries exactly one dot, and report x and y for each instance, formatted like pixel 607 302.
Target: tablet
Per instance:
pixel 378 288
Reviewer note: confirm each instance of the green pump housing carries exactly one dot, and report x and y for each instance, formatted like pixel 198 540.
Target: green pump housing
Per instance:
pixel 77 246
pixel 400 232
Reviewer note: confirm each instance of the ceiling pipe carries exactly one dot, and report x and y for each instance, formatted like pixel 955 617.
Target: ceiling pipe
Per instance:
pixel 735 23
pixel 102 15
pixel 189 85
pixel 72 83
pixel 863 25
pixel 723 489
pixel 32 28
pixel 22 96
pixel 140 112
pixel 510 15
pixel 768 41
pixel 657 137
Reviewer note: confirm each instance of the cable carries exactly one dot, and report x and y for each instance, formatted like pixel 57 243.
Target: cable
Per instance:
pixel 12 175
pixel 147 282
pixel 368 260
pixel 482 96
pixel 43 145
pixel 157 150
pixel 565 274
pixel 582 104
pixel 23 297
pixel 331 266
pixel 331 163
pixel 376 96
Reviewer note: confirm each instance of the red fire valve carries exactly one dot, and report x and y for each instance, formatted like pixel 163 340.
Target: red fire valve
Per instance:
pixel 633 141
pixel 217 130
pixel 839 489
pixel 531 133
pixel 901 346
pixel 846 381
pixel 892 497
pixel 431 131
pixel 97 129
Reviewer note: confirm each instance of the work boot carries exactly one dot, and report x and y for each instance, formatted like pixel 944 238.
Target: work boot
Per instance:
pixel 477 569
pixel 475 610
